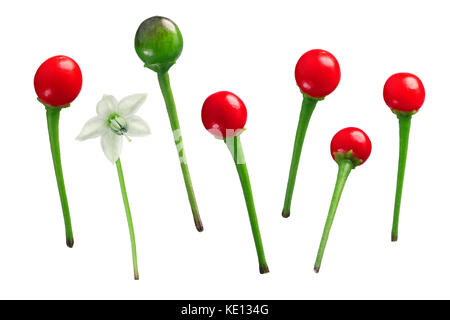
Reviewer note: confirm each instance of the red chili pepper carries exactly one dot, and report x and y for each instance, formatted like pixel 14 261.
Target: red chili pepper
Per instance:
pixel 57 83
pixel 350 148
pixel 404 93
pixel 317 74
pixel 354 140
pixel 224 115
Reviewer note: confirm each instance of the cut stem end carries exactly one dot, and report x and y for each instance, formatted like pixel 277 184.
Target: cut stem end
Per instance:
pixel 286 214
pixel 394 238
pixel 264 269
pixel 69 243
pixel 199 225
pixel 316 269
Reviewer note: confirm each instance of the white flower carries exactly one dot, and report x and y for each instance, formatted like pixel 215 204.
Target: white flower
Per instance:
pixel 115 120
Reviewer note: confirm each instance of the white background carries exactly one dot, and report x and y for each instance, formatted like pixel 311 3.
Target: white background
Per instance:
pixel 251 49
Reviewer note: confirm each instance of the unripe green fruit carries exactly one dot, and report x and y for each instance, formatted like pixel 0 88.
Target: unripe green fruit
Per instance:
pixel 158 43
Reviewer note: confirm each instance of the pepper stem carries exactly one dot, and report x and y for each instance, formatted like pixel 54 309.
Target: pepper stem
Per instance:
pixel 308 105
pixel 405 125
pixel 235 147
pixel 129 219
pixel 53 133
pixel 345 166
pixel 164 83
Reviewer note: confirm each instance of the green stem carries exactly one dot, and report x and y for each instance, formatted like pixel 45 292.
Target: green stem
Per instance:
pixel 129 219
pixel 308 106
pixel 405 125
pixel 345 166
pixel 235 147
pixel 53 133
pixel 164 83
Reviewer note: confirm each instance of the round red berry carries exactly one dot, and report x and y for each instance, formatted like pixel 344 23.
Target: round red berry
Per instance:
pixel 351 139
pixel 317 73
pixel 58 81
pixel 404 92
pixel 224 114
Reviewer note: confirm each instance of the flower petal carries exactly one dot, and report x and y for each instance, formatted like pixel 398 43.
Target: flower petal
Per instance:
pixel 129 105
pixel 106 106
pixel 112 145
pixel 137 127
pixel 95 127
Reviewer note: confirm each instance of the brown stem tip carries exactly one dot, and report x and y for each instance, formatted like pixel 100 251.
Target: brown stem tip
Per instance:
pixel 394 238
pixel 263 269
pixel 286 214
pixel 69 243
pixel 199 226
pixel 197 221
pixel 316 269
